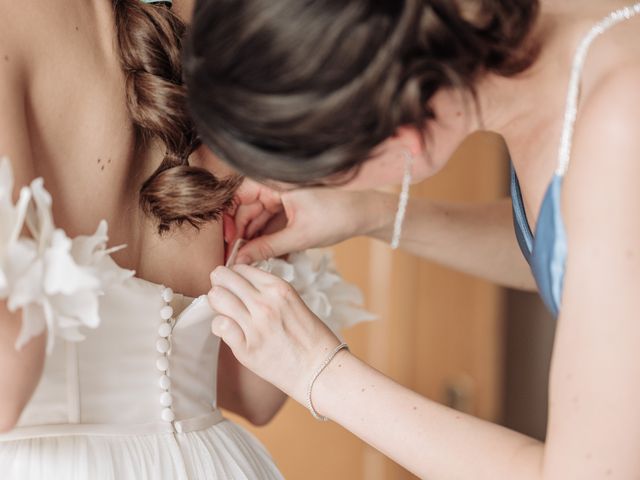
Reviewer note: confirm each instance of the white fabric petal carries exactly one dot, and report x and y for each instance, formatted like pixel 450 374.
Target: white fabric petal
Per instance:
pixel 39 218
pixel 33 324
pixel 62 273
pixel 12 219
pixel 337 303
pixel 85 248
pixel 4 283
pixel 56 281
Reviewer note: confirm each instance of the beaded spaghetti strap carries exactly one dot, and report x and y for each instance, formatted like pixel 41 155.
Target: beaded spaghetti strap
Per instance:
pixel 573 95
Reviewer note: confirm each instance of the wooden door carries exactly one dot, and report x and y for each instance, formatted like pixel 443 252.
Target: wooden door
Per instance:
pixel 439 332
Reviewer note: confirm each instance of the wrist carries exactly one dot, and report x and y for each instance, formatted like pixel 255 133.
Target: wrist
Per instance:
pixel 327 386
pixel 379 210
pixel 323 366
pixel 307 368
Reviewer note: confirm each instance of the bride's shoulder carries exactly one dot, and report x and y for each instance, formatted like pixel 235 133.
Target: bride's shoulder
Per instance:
pixel 610 98
pixel 605 168
pixel 22 23
pixel 611 105
pixel 39 30
pixel 614 56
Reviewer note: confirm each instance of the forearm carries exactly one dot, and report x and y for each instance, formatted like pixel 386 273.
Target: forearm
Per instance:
pixel 428 439
pixel 244 393
pixel 475 239
pixel 21 370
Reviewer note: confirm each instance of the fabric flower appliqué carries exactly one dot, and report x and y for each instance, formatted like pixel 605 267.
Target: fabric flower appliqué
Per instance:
pixel 337 303
pixel 55 280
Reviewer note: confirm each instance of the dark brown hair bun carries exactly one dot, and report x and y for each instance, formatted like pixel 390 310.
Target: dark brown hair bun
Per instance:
pixel 299 91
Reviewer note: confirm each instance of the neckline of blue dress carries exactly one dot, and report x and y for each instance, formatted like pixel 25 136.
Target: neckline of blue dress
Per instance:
pixel 546 250
pixel 525 234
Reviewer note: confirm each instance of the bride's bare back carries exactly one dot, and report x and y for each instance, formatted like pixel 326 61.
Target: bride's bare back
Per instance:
pixel 64 117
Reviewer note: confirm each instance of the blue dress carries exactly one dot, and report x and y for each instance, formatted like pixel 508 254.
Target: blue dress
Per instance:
pixel 546 252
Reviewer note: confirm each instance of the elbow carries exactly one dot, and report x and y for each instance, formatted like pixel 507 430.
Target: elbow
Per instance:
pixel 261 419
pixel 8 418
pixel 7 424
pixel 263 416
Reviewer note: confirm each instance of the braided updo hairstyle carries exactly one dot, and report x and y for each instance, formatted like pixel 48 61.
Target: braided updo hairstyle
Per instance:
pixel 149 37
pixel 299 91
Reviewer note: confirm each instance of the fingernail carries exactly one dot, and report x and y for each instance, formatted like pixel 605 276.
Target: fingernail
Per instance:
pixel 215 273
pixel 214 328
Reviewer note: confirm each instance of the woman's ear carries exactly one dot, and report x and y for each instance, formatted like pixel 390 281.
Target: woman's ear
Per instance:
pixel 411 138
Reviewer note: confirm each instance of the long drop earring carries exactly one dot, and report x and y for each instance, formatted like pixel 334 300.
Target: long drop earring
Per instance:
pixel 403 201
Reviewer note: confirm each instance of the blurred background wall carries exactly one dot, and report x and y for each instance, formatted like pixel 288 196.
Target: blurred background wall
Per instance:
pixel 455 339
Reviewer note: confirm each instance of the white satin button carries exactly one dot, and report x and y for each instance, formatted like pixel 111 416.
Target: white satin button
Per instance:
pixel 166 312
pixel 164 330
pixel 162 363
pixel 167 295
pixel 164 382
pixel 162 345
pixel 167 415
pixel 166 399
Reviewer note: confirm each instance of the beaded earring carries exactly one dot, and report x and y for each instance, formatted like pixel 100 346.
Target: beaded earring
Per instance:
pixel 403 200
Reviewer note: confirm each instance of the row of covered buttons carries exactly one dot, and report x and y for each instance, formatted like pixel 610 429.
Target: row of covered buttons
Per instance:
pixel 163 346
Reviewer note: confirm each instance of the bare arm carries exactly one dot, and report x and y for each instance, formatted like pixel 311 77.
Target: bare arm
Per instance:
pixel 270 330
pixel 20 370
pixel 243 392
pixel 477 239
pixel 594 420
pixel 430 440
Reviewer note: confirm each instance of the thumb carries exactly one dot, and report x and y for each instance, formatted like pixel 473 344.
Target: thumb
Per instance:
pixel 268 246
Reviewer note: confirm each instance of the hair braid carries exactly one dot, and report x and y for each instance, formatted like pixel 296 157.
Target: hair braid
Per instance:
pixel 149 39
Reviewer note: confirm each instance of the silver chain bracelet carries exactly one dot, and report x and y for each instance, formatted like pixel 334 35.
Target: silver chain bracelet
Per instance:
pixel 317 373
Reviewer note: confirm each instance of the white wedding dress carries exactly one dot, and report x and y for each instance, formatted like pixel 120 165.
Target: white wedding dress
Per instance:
pixel 129 383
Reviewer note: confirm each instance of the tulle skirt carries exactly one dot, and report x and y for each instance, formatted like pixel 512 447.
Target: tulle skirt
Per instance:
pixel 223 451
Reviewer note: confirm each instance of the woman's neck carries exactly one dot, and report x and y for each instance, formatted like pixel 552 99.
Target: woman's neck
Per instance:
pixel 511 105
pixel 508 104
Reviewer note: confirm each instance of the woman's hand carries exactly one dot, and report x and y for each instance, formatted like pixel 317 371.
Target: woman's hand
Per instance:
pixel 268 327
pixel 256 206
pixel 280 223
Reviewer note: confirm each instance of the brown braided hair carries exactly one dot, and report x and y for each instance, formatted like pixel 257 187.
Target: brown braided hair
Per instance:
pixel 149 37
